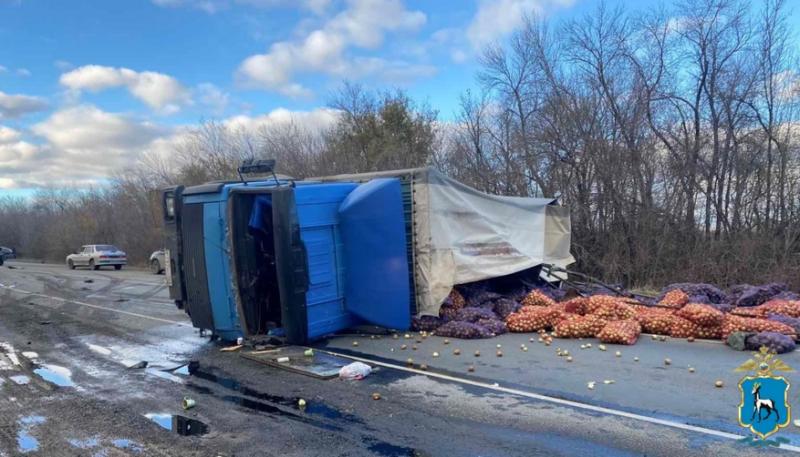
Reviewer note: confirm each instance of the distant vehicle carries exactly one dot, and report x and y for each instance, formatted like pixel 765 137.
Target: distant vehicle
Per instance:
pixel 6 253
pixel 95 256
pixel 157 262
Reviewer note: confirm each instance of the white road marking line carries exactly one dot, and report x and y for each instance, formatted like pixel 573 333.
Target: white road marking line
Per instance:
pixel 99 307
pixel 131 297
pixel 560 401
pixel 43 268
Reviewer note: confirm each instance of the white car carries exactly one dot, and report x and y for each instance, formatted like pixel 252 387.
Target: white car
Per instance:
pixel 157 262
pixel 95 256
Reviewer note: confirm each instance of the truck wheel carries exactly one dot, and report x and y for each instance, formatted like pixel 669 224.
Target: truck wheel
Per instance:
pixel 118 267
pixel 70 264
pixel 155 266
pixel 92 265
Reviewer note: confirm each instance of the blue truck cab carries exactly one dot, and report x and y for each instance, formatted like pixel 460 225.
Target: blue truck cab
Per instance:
pixel 302 259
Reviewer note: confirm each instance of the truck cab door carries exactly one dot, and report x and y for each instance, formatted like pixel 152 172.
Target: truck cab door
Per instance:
pixel 172 205
pixel 372 228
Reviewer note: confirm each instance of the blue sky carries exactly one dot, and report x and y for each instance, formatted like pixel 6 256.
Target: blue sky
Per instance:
pixel 87 86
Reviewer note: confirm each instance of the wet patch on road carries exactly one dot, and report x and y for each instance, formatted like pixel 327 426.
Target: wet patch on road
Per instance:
pixel 163 375
pixel 385 449
pixel 55 374
pixel 87 443
pixel 160 354
pixel 20 379
pixel 182 425
pixel 124 443
pixel 25 441
pixel 311 407
pixel 31 365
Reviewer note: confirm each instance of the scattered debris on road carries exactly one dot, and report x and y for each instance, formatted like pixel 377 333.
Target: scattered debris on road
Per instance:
pixel 188 403
pixel 358 370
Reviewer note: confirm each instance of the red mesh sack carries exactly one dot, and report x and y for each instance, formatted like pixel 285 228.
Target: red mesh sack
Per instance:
pixel 560 307
pixel 576 305
pixel 640 308
pixel 620 332
pixel 749 324
pixel 785 307
pixel 657 321
pixel 674 299
pixel 614 311
pixel 579 327
pixel 537 298
pixel 744 311
pixel 596 302
pixel 710 333
pixel 702 315
pixel 683 328
pixel 532 319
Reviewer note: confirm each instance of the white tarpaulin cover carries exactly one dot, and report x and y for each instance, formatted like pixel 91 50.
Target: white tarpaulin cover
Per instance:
pixel 462 235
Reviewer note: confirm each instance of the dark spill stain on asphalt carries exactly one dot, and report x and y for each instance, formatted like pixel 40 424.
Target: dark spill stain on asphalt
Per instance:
pixel 263 407
pixel 266 403
pixel 312 407
pixel 390 450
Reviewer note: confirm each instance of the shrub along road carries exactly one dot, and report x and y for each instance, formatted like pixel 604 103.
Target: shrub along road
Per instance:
pixel 68 338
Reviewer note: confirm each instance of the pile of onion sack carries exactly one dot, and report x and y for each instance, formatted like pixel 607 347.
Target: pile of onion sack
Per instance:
pixel 744 316
pixel 475 311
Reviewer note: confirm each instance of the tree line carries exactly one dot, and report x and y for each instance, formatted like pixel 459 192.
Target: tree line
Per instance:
pixel 672 135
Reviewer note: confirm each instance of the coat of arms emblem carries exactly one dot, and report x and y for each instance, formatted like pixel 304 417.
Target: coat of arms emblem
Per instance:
pixel 764 406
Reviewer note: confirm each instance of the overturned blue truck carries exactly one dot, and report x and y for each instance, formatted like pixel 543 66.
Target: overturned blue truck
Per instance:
pixel 303 259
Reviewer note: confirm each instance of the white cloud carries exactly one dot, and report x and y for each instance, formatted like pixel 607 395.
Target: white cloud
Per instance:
pixel 63 65
pixel 362 24
pixel 677 24
pixel 8 135
pixel 211 96
pixel 87 128
pixel 497 18
pixel 13 106
pixel 24 72
pixel 17 152
pixel 787 85
pixel 83 145
pixel 3 69
pixel 159 91
pixel 214 6
pixel 458 56
pixel 454 41
pixel 317 120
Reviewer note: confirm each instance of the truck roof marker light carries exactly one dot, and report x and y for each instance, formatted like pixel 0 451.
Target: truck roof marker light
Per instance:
pixel 250 166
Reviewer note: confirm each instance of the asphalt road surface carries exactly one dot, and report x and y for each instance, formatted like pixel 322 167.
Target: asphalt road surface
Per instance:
pixel 69 338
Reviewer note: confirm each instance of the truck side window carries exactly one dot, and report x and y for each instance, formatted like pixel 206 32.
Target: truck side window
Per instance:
pixel 169 206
